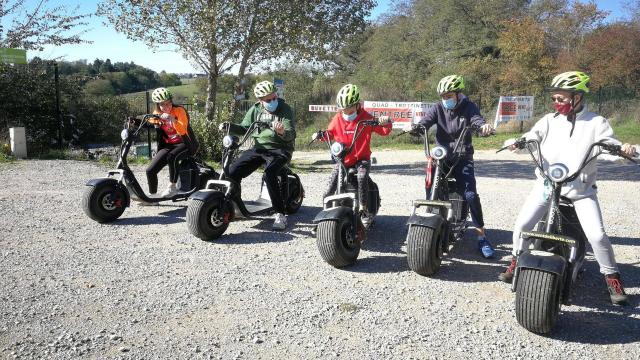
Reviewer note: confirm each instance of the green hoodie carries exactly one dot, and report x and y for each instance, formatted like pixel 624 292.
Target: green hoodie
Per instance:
pixel 267 138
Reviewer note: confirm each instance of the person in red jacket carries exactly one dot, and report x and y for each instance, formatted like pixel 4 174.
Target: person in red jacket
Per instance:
pixel 342 128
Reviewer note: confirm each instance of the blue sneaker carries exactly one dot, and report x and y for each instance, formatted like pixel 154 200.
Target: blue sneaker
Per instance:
pixel 485 247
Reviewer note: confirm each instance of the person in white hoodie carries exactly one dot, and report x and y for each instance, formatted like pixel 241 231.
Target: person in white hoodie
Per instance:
pixel 565 137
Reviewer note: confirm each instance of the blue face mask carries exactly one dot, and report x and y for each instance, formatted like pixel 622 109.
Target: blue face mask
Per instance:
pixel 449 104
pixel 350 117
pixel 270 106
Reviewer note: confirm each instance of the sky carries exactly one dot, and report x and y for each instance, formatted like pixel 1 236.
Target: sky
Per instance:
pixel 107 43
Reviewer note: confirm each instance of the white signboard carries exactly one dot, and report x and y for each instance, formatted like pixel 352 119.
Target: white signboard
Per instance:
pixel 514 108
pixel 400 112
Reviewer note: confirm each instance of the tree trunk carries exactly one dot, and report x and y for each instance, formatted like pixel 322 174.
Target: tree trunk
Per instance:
pixel 212 89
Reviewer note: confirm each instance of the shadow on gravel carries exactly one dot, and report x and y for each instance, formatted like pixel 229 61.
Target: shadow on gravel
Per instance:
pixel 512 169
pixel 378 264
pixel 457 266
pixel 387 235
pixel 255 237
pixel 173 216
pixel 628 241
pixel 601 328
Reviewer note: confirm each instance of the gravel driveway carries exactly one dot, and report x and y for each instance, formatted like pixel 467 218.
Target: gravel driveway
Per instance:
pixel 143 287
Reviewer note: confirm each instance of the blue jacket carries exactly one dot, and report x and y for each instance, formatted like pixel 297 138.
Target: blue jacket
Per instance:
pixel 449 123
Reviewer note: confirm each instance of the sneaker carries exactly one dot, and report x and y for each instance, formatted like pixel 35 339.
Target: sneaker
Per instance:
pixel 616 291
pixel 507 275
pixel 279 221
pixel 170 191
pixel 485 247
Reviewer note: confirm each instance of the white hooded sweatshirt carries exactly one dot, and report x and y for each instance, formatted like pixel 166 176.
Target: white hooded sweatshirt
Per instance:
pixel 558 147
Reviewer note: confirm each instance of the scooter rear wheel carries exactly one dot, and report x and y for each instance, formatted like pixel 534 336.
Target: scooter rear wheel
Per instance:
pixel 104 203
pixel 294 201
pixel 207 220
pixel 337 243
pixel 537 300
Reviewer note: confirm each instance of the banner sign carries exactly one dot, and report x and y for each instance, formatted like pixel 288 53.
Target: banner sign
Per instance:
pixel 514 108
pixel 13 56
pixel 400 112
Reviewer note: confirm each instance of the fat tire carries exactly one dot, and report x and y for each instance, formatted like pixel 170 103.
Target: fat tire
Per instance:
pixel 92 199
pixel 332 243
pixel 537 300
pixel 294 200
pixel 199 219
pixel 423 249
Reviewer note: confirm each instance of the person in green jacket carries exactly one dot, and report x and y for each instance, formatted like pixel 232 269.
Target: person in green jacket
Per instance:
pixel 273 144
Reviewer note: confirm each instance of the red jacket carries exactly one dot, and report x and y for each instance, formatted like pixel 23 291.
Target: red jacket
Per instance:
pixel 342 131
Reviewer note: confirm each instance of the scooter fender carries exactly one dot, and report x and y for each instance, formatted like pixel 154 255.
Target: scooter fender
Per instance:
pixel 540 260
pixel 432 221
pixel 335 213
pixel 114 182
pixel 205 195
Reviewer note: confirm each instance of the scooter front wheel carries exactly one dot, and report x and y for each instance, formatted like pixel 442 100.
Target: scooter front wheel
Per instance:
pixel 104 202
pixel 337 242
pixel 424 249
pixel 207 219
pixel 537 300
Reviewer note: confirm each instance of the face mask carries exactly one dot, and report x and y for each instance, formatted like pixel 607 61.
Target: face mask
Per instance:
pixel 562 108
pixel 350 117
pixel 449 104
pixel 270 106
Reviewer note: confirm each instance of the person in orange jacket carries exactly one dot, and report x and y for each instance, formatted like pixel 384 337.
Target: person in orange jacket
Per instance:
pixel 176 141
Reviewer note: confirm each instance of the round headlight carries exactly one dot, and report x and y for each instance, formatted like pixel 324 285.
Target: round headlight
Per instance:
pixel 227 141
pixel 337 148
pixel 558 172
pixel 124 134
pixel 438 152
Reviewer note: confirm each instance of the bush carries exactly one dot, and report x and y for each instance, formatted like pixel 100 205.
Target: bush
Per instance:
pixel 207 132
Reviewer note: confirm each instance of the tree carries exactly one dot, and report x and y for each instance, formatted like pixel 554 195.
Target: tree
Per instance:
pixel 32 28
pixel 218 35
pixel 100 87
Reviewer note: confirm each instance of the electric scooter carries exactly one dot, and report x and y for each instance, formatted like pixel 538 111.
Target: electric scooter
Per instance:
pixel 106 198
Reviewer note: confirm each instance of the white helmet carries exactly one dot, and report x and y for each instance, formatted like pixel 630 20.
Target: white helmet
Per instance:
pixel 264 88
pixel 161 94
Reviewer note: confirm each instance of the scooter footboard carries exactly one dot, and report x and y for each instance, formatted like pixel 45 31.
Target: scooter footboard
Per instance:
pixel 335 213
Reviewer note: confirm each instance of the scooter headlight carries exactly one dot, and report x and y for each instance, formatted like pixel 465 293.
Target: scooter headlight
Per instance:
pixel 337 148
pixel 124 134
pixel 227 141
pixel 438 153
pixel 558 172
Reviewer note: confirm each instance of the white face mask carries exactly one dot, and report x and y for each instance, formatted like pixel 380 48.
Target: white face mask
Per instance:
pixel 350 117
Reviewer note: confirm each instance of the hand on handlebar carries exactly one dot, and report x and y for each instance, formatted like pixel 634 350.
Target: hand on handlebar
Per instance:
pixel 486 130
pixel 223 126
pixel 629 150
pixel 384 120
pixel 278 127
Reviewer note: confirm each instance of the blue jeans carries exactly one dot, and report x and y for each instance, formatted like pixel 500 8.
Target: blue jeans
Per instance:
pixel 466 180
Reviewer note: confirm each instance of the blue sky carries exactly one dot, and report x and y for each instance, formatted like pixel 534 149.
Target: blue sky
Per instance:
pixel 107 43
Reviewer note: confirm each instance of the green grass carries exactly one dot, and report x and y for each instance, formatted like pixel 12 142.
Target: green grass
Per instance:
pixel 627 131
pixel 6 159
pixel 185 91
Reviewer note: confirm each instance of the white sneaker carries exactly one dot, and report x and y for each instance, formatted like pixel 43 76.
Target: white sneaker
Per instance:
pixel 279 221
pixel 170 191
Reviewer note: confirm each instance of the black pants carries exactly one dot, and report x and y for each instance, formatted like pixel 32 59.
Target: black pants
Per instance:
pixel 170 155
pixel 252 159
pixel 363 182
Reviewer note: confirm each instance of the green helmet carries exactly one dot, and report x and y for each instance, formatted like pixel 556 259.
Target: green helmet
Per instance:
pixel 348 96
pixel 451 83
pixel 575 81
pixel 161 94
pixel 264 88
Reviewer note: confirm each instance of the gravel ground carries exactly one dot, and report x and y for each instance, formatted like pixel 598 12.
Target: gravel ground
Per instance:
pixel 143 287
